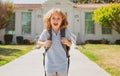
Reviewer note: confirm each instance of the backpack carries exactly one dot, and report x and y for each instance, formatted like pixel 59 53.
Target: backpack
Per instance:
pixel 66 48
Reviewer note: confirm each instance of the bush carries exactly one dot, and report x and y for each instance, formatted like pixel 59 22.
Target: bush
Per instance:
pixel 26 41
pixel 109 16
pixel 104 41
pixel 93 41
pixel 117 41
pixel 19 39
pixel 8 38
pixel 97 41
pixel 0 42
pixel 31 42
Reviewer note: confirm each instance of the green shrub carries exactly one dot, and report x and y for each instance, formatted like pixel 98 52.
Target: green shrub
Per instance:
pixel 19 39
pixel 26 41
pixel 8 38
pixel 0 42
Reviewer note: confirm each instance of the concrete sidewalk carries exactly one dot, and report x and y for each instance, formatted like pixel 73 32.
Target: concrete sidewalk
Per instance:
pixel 31 65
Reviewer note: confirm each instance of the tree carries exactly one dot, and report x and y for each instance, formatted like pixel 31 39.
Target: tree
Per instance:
pixel 108 16
pixel 95 1
pixel 6 11
pixel 81 1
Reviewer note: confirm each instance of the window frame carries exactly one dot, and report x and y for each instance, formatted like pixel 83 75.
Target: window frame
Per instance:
pixel 108 28
pixel 90 21
pixel 22 23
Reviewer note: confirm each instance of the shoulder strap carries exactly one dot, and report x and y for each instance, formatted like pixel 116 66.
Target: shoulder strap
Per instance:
pixel 50 33
pixel 62 31
pixel 66 48
pixel 46 49
pixel 50 38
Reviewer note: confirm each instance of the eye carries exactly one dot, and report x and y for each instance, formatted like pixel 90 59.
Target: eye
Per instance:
pixel 53 18
pixel 58 18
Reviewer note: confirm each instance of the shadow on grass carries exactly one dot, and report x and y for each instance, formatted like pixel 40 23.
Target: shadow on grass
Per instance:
pixel 8 51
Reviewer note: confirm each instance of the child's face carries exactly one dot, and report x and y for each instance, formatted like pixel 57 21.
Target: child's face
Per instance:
pixel 56 20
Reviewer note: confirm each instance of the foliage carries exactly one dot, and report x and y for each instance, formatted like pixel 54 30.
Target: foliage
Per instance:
pixel 90 1
pixel 82 1
pixel 8 38
pixel 96 1
pixel 6 11
pixel 108 16
pixel 19 39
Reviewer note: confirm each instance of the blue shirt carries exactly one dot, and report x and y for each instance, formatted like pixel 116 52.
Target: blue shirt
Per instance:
pixel 55 59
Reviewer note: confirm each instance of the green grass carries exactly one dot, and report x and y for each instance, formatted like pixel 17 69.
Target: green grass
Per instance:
pixel 106 56
pixel 10 52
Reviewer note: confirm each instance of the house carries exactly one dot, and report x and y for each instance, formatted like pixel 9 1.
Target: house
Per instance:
pixel 27 21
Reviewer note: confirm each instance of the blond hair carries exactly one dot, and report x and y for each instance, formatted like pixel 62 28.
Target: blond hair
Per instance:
pixel 48 15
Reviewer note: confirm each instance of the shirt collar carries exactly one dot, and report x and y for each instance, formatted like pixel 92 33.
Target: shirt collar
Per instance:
pixel 55 33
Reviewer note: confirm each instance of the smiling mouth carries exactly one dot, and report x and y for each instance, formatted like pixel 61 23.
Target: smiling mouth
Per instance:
pixel 55 24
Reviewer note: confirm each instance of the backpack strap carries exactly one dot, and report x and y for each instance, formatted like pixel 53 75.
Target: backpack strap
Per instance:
pixel 50 38
pixel 50 33
pixel 46 49
pixel 62 32
pixel 66 48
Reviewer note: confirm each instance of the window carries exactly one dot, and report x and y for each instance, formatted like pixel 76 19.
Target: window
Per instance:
pixel 106 29
pixel 26 22
pixel 74 1
pixel 58 3
pixel 10 29
pixel 89 23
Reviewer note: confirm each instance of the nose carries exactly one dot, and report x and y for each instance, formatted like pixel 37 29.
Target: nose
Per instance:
pixel 55 19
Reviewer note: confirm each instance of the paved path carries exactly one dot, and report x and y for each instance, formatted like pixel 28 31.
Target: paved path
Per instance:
pixel 31 65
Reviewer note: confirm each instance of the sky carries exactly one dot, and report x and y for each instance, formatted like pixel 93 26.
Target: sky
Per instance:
pixel 26 1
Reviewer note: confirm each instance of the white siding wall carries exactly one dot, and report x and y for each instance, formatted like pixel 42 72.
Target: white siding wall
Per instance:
pixel 39 22
pixel 98 30
pixel 77 25
pixel 36 23
pixel 18 23
pixel 2 32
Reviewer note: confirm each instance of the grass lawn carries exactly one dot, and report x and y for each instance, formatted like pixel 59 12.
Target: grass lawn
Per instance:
pixel 10 52
pixel 106 56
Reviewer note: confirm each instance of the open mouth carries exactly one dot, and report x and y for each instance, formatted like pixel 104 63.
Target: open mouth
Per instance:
pixel 55 24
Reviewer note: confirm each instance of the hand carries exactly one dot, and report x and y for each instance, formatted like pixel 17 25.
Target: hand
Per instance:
pixel 64 40
pixel 48 43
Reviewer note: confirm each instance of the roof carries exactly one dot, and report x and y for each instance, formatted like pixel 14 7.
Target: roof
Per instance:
pixel 89 5
pixel 76 6
pixel 27 5
pixel 28 1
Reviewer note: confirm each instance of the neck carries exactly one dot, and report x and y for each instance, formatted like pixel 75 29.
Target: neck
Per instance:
pixel 56 30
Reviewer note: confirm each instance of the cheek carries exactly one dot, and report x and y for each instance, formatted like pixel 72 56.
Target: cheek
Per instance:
pixel 51 21
pixel 60 22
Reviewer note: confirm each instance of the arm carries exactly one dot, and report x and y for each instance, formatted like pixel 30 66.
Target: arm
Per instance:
pixel 43 39
pixel 46 43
